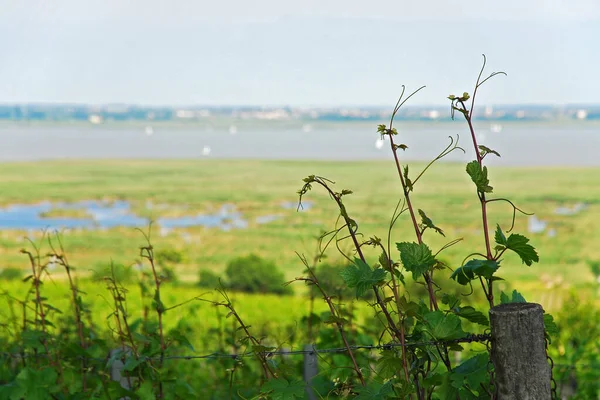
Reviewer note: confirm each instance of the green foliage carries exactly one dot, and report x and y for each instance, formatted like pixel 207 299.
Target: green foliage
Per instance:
pixel 479 176
pixel 281 389
pixel 11 274
pixel 208 279
pixel 515 297
pixel 253 274
pixel 517 243
pixel 169 256
pixel 471 314
pixel 575 349
pixel 426 222
pixel 121 273
pixel 416 258
pixel 418 325
pixel 484 150
pixel 443 326
pixel 360 276
pixel 330 279
pixel 471 376
pixel 423 368
pixel 474 269
pixel 375 391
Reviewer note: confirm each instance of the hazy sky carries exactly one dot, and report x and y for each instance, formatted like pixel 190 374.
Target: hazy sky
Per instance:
pixel 309 52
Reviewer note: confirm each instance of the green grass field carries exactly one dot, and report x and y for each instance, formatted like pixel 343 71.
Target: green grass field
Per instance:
pixel 258 188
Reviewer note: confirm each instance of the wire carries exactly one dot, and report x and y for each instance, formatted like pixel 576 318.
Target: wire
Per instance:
pixel 268 353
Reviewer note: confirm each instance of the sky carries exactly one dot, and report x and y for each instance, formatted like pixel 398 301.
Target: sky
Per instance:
pixel 297 53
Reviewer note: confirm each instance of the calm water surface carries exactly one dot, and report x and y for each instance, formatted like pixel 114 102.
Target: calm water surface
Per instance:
pixel 574 144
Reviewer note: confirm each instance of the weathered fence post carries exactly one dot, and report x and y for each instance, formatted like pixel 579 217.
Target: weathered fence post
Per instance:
pixel 311 369
pixel 116 369
pixel 521 367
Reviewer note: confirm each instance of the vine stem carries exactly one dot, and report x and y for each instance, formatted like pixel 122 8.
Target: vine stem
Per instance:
pixel 338 324
pixel 468 116
pixel 352 233
pixel 159 310
pixel 62 260
pixel 432 300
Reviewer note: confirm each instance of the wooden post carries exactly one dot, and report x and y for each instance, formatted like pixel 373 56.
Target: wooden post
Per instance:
pixel 116 370
pixel 311 369
pixel 521 367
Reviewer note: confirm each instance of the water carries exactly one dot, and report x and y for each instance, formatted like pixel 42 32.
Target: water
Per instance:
pixel 523 144
pixel 99 214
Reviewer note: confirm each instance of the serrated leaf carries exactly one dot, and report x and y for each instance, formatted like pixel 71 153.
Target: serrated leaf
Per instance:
pixel 520 245
pixel 180 338
pixel 416 258
pixel 474 269
pixel 517 243
pixel 479 176
pixel 471 314
pixel 131 363
pixel 388 365
pixel 282 389
pixel 473 372
pixel 426 221
pixel 409 308
pixel 500 238
pixel 550 327
pixel 443 326
pixel 486 150
pixel 384 261
pixel 451 300
pixel 516 297
pixel 360 276
pixel 375 391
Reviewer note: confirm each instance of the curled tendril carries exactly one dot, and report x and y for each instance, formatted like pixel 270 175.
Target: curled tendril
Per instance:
pixel 449 149
pixel 515 209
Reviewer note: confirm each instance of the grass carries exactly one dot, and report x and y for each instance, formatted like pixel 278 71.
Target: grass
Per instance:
pixel 66 213
pixel 258 188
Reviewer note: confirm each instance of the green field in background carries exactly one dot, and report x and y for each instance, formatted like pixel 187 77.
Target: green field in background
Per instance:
pixel 258 188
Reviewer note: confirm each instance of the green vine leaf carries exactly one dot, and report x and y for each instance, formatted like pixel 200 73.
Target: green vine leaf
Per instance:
pixel 479 176
pixel 360 276
pixel 499 236
pixel 451 300
pixel 516 297
pixel 473 372
pixel 474 269
pixel 442 326
pixel 484 150
pixel 281 389
pixel 517 243
pixel 550 327
pixel 389 364
pixel 428 223
pixel 471 314
pixel 416 258
pixel 375 391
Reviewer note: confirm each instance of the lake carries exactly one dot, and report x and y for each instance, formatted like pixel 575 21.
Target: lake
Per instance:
pixel 520 144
